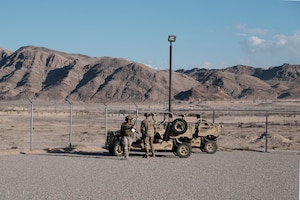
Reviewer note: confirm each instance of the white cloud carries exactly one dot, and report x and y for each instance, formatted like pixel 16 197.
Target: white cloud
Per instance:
pixel 294 43
pixel 265 52
pixel 255 44
pixel 286 41
pixel 279 43
pixel 255 41
pixel 281 40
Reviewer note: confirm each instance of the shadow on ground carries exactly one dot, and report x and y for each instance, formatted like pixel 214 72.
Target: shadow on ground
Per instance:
pixel 75 151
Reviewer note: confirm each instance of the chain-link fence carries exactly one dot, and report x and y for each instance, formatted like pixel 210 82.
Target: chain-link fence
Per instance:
pixel 259 129
pixel 30 125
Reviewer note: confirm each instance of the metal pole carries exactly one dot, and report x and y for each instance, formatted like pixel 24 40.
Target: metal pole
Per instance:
pixel 31 124
pixel 170 80
pixel 136 116
pixel 267 114
pixel 105 124
pixel 70 124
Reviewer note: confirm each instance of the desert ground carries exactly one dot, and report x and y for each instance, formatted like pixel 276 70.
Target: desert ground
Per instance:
pixel 224 175
pixel 38 163
pixel 41 127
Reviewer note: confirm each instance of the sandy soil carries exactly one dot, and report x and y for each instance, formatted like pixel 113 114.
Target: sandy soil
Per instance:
pixel 244 125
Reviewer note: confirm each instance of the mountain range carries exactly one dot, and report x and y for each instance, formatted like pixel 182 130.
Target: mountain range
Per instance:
pixel 45 74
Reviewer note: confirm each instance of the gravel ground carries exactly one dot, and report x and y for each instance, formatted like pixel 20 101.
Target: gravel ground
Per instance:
pixel 224 175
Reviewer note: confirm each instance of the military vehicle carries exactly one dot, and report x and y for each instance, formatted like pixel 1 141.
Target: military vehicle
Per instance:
pixel 176 135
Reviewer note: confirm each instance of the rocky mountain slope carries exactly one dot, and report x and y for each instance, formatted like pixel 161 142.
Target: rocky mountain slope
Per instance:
pixel 245 82
pixel 45 74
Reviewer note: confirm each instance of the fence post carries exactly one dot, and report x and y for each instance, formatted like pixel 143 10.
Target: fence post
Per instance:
pixel 136 116
pixel 31 124
pixel 214 115
pixel 267 114
pixel 105 124
pixel 164 109
pixel 70 124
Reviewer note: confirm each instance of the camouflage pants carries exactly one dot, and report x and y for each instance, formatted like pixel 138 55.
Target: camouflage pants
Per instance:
pixel 148 142
pixel 126 142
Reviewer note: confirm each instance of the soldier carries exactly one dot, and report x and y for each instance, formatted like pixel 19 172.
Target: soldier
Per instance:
pixel 127 133
pixel 148 131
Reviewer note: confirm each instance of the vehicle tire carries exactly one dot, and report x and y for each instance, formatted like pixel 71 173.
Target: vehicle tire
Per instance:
pixel 116 149
pixel 210 147
pixel 179 126
pixel 184 150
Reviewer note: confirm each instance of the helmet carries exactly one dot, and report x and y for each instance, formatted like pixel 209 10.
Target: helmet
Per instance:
pixel 147 114
pixel 128 117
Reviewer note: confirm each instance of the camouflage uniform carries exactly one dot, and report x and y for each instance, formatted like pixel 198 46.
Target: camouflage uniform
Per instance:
pixel 148 131
pixel 127 135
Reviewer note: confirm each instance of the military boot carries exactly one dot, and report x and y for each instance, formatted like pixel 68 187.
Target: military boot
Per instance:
pixel 146 154
pixel 153 154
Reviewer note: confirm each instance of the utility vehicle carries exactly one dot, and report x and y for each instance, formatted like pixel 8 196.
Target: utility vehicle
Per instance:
pixel 173 134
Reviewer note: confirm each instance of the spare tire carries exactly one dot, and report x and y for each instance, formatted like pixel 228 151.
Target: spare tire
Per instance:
pixel 179 126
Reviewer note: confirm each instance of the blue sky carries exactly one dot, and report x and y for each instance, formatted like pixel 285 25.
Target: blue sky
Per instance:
pixel 210 34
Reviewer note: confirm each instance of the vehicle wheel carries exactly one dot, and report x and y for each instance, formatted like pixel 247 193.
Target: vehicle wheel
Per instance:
pixel 184 150
pixel 179 126
pixel 116 149
pixel 210 147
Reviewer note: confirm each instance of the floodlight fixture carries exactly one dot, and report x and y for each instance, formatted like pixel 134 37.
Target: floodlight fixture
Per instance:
pixel 171 38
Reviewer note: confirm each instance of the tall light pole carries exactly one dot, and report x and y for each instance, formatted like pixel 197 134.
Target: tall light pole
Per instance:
pixel 171 39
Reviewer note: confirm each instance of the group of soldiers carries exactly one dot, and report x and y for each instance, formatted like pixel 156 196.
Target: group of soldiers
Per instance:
pixel 147 130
